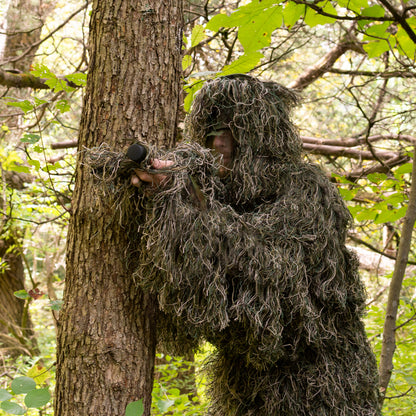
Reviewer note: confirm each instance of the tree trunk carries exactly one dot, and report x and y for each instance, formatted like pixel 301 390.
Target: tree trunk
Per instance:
pixel 16 334
pixel 106 338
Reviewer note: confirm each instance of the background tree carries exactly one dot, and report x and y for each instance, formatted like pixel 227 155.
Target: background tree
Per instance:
pixel 106 336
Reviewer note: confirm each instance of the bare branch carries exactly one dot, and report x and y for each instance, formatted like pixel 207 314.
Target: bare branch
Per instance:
pixel 326 63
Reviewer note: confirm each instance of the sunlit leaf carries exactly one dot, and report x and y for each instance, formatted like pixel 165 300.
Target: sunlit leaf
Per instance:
pixel 186 62
pixel 243 64
pixel 197 35
pixel 292 12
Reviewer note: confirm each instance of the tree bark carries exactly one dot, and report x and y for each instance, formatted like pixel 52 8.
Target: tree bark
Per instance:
pixel 16 334
pixel 106 337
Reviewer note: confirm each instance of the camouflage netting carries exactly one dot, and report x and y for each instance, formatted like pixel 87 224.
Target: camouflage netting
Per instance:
pixel 256 264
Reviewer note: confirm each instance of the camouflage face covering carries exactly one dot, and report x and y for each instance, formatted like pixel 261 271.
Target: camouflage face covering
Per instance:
pixel 256 263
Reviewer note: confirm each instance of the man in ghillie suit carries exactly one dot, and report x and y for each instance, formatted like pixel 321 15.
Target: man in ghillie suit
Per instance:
pixel 246 249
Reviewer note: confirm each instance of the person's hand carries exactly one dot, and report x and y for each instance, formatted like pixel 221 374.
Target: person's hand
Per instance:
pixel 153 179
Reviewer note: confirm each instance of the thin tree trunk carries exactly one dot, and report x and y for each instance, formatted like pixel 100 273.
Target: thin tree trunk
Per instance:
pixel 389 332
pixel 106 337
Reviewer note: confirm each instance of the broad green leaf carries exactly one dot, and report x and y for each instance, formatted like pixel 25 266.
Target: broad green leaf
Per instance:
pixel 240 16
pixel 198 35
pixel 24 105
pixel 30 138
pixel 17 168
pixel 353 5
pixel 22 294
pixel 406 168
pixel 62 106
pixel 35 163
pixel 390 215
pixel 218 21
pixel 405 45
pixel 366 214
pixel 373 11
pixel 135 408
pixel 56 305
pixel 186 62
pixel 163 405
pixel 23 385
pixel 42 71
pixel 376 48
pixel 39 373
pixel 243 64
pixel 37 398
pixel 395 198
pixel 12 408
pixel 313 18
pixel 348 194
pixel 376 177
pixel 292 13
pixel 256 33
pixel 78 78
pixel 378 30
pixel 4 395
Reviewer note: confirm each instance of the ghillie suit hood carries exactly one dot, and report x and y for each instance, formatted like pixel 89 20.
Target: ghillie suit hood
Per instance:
pixel 258 115
pixel 256 264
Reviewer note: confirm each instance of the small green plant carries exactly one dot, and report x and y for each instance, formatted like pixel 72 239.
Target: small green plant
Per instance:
pixel 25 390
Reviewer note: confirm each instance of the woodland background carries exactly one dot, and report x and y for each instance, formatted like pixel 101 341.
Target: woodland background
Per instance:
pixel 353 62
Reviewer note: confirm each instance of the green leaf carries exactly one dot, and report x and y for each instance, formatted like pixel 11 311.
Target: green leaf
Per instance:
pixel 366 214
pixel 348 194
pixel 218 21
pixel 135 408
pixel 56 305
pixel 376 177
pixel 22 294
pixel 163 405
pixel 390 215
pixel 37 398
pixel 313 18
pixel 191 91
pixel 198 35
pixel 243 64
pixel 12 408
pixel 35 163
pixel 30 138
pixel 377 31
pixel 4 395
pixel 395 198
pixel 17 168
pixel 23 385
pixel 186 62
pixel 373 11
pixel 62 106
pixel 376 48
pixel 353 5
pixel 405 45
pixel 78 78
pixel 256 33
pixel 406 168
pixel 292 13
pixel 24 105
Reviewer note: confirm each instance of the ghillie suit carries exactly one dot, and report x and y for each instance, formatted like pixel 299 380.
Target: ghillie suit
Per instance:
pixel 256 264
